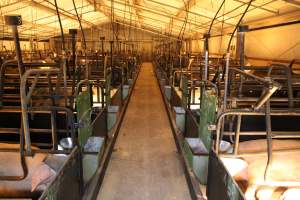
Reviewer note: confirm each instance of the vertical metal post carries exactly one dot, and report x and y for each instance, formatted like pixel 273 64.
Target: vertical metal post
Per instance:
pixel 269 138
pixel 53 115
pixel 237 134
pixel 102 97
pixel 226 80
pixel 206 51
pixel 64 69
pixel 111 53
pixel 73 33
pixel 122 83
pixel 14 21
pixel 102 49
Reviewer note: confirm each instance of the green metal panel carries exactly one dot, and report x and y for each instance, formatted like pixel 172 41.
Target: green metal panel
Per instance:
pixel 83 104
pixel 180 118
pixel 188 153
pixel 168 91
pixel 200 168
pixel 207 117
pixel 125 91
pixel 112 112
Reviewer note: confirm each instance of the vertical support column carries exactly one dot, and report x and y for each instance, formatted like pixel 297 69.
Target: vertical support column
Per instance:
pixel 240 52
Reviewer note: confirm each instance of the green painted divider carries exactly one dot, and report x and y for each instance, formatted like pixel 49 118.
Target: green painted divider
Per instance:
pixel 207 117
pixel 83 104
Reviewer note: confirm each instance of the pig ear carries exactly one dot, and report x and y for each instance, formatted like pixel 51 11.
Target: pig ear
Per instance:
pixel 43 175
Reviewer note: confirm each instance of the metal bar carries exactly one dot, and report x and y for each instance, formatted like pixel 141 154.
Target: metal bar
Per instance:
pixel 260 153
pixel 64 69
pixel 246 112
pixel 73 39
pixel 276 134
pixel 2 79
pixel 237 134
pixel 33 85
pixel 53 117
pixel 226 80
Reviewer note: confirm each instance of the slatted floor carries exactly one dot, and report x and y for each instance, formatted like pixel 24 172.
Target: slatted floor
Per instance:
pixel 145 163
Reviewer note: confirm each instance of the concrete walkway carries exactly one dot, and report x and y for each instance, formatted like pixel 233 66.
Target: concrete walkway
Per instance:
pixel 145 164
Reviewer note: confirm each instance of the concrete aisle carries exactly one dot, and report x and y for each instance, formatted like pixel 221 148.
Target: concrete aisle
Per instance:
pixel 145 164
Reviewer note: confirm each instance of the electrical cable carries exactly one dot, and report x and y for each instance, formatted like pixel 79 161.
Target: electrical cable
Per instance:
pixel 223 3
pixel 222 30
pixel 60 25
pixel 181 33
pixel 237 25
pixel 79 21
